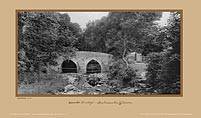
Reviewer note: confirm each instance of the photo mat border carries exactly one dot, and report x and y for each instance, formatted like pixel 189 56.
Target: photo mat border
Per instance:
pixel 99 10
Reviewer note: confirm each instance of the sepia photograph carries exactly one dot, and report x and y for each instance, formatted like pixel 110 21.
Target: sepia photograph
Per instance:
pixel 98 52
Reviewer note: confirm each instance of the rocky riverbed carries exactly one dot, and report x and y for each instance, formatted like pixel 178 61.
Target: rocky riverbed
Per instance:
pixel 75 84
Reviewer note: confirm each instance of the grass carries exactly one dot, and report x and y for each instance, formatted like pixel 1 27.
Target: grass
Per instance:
pixel 44 85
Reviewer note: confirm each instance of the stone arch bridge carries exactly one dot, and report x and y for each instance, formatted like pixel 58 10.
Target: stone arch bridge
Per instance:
pixel 83 62
pixel 89 62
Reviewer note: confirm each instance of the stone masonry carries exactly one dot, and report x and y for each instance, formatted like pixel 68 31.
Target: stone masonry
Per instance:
pixel 82 58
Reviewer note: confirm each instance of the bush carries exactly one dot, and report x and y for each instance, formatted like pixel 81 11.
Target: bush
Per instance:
pixel 163 73
pixel 154 61
pixel 123 74
pixel 27 78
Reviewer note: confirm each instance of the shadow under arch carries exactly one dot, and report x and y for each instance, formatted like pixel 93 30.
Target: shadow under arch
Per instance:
pixel 93 66
pixel 68 66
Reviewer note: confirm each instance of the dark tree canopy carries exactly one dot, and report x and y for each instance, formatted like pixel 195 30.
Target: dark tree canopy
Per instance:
pixel 43 36
pixel 164 66
pixel 109 33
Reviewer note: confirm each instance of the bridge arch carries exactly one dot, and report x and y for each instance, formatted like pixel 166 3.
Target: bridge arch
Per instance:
pixel 93 66
pixel 69 66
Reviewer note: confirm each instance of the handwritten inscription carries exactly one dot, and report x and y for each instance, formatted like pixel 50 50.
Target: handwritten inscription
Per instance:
pixel 100 102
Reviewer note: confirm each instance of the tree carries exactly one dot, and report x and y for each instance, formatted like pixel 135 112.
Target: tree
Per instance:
pixel 119 33
pixel 94 36
pixel 43 36
pixel 164 66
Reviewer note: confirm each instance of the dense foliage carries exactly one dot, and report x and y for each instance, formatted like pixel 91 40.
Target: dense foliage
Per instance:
pixel 119 32
pixel 122 74
pixel 163 72
pixel 43 36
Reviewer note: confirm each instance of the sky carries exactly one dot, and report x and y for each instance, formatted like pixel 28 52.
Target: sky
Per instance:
pixel 164 18
pixel 82 18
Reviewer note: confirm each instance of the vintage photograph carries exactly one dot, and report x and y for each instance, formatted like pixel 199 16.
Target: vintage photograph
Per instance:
pixel 114 52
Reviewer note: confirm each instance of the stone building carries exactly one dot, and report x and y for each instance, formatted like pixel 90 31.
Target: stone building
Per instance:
pixel 134 57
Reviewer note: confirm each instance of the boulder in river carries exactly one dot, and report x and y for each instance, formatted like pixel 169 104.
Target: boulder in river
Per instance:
pixel 70 88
